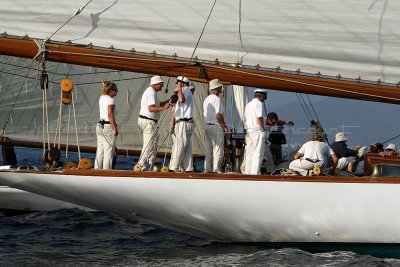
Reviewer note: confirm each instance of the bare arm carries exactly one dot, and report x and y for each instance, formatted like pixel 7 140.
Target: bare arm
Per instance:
pixel 163 106
pixel 221 122
pixel 280 123
pixel 181 96
pixel 297 155
pixel 334 164
pixel 172 130
pixel 112 119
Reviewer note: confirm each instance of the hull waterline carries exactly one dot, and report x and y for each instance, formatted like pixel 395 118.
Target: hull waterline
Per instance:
pixel 232 207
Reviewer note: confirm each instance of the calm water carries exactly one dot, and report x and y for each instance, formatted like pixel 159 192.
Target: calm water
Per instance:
pixel 78 238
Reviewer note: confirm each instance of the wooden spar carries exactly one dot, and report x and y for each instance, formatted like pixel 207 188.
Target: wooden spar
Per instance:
pixel 169 66
pixel 85 149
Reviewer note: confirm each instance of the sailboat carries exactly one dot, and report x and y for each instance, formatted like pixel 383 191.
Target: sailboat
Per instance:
pixel 335 48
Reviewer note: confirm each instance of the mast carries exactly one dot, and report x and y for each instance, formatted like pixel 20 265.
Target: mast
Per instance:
pixel 203 71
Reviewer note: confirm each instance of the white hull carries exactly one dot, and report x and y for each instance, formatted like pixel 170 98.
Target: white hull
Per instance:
pixel 16 199
pixel 234 209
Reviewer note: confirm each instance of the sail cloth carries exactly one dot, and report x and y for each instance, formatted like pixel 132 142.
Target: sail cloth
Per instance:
pixel 350 38
pixel 21 104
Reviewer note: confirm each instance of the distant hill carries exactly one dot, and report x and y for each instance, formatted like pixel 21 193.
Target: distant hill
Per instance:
pixel 364 122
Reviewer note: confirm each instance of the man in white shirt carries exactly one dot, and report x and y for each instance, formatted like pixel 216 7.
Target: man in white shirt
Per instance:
pixel 255 137
pixel 150 107
pixel 182 127
pixel 215 127
pixel 314 153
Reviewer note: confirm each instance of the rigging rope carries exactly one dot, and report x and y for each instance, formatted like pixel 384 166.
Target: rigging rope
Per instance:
pixel 240 35
pixel 397 136
pixel 68 127
pixel 201 34
pixel 312 106
pixel 76 127
pixel 302 106
pixel 3 131
pixel 76 13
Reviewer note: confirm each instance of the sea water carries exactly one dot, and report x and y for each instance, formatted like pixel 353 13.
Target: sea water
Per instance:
pixel 73 237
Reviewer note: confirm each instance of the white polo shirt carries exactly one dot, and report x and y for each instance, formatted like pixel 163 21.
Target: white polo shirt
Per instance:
pixel 149 98
pixel 316 150
pixel 252 111
pixel 104 102
pixel 211 106
pixel 184 110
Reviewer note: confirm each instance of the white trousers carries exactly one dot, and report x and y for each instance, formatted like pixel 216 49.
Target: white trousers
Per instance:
pixel 213 148
pixel 105 147
pixel 150 139
pixel 181 157
pixel 254 153
pixel 304 166
pixel 344 162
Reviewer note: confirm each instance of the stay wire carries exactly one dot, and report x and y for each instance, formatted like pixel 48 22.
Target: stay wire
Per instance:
pixel 76 14
pixel 305 105
pixel 395 137
pixel 201 34
pixel 240 40
pixel 312 106
pixel 12 109
pixel 302 106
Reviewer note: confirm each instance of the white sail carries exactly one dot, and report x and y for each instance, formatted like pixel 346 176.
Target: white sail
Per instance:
pixel 350 38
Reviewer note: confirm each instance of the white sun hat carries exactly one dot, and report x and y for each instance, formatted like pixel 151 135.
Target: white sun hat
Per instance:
pixel 155 80
pixel 340 137
pixel 182 79
pixel 391 146
pixel 214 84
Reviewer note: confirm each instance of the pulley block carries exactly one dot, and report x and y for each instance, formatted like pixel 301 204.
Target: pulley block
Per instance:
pixel 66 85
pixel 70 165
pixel 66 98
pixel 85 164
pixel 137 168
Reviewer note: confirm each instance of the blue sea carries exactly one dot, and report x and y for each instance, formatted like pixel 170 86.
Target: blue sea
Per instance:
pixel 78 238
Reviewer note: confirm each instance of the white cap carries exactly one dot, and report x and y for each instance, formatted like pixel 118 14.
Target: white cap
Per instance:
pixel 155 80
pixel 261 91
pixel 340 137
pixel 191 85
pixel 182 79
pixel 391 146
pixel 214 84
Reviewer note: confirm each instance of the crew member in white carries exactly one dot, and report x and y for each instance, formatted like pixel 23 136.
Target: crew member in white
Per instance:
pixel 255 132
pixel 215 127
pixel 150 106
pixel 314 153
pixel 106 128
pixel 182 127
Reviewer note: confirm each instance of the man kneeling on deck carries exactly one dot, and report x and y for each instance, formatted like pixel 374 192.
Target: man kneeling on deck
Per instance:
pixel 312 154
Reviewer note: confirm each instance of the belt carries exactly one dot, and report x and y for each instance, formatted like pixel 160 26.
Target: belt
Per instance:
pixel 104 122
pixel 252 130
pixel 312 160
pixel 210 123
pixel 147 118
pixel 186 119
